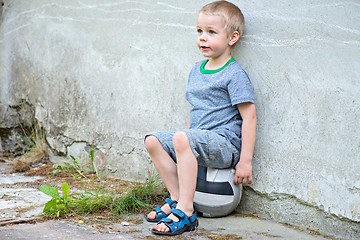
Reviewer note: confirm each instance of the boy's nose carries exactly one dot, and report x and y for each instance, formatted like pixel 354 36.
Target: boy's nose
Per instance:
pixel 202 37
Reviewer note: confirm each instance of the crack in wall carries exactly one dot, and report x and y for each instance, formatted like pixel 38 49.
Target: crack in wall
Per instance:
pixel 287 208
pixel 284 196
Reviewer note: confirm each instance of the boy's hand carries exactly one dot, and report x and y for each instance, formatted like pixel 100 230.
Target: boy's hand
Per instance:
pixel 243 173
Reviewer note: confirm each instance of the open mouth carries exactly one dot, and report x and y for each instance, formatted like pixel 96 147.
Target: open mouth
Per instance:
pixel 204 48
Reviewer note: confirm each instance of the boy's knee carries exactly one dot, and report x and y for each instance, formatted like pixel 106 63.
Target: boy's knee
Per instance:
pixel 180 141
pixel 151 143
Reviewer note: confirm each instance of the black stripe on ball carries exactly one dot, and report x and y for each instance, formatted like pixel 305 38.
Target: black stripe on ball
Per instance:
pixel 219 188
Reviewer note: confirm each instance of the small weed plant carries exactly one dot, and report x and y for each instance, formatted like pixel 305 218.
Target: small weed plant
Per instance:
pixel 37 141
pixel 76 166
pixel 98 197
pixel 58 203
pixel 35 149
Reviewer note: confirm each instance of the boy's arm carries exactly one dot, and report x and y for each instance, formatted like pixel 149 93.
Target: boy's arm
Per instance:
pixel 243 169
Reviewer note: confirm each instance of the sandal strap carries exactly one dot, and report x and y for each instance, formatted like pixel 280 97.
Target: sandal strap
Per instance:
pixel 193 217
pixel 178 213
pixel 158 210
pixel 165 220
pixel 169 223
pixel 171 203
pixel 161 214
pixel 181 215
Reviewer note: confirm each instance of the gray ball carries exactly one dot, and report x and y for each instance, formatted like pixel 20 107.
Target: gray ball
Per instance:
pixel 216 194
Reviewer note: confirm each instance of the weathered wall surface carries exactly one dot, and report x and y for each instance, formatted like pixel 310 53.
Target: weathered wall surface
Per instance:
pixel 101 75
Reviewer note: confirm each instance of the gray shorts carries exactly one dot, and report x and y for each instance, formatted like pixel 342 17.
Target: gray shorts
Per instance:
pixel 209 148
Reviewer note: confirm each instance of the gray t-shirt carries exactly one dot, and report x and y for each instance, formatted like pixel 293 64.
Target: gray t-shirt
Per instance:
pixel 214 94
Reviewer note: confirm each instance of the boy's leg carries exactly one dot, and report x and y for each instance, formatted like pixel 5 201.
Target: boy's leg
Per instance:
pixel 166 168
pixel 187 168
pixel 187 174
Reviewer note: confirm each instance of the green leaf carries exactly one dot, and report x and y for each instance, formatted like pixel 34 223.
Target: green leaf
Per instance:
pixel 91 166
pixel 61 207
pixel 50 190
pixel 50 204
pixel 66 189
pixel 75 162
pixel 92 155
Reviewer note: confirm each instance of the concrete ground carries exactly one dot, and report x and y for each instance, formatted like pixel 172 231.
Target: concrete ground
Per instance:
pixel 22 201
pixel 231 227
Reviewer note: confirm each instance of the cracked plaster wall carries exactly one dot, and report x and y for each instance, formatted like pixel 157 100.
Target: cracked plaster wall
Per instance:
pixel 101 75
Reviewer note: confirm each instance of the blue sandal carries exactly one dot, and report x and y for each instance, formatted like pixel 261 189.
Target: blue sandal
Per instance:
pixel 184 224
pixel 159 213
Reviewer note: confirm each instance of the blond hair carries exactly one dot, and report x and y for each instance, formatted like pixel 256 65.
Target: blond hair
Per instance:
pixel 232 15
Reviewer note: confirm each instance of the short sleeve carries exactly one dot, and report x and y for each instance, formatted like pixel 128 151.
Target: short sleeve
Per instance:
pixel 240 88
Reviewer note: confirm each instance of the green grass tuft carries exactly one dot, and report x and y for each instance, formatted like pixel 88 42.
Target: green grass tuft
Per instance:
pixel 135 200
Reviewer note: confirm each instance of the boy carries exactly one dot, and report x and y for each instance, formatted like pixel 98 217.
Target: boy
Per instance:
pixel 222 121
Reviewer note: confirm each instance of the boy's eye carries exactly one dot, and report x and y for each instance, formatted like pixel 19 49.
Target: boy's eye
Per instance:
pixel 211 32
pixel 199 31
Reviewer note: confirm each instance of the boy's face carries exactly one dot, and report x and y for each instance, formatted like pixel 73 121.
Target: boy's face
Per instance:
pixel 213 40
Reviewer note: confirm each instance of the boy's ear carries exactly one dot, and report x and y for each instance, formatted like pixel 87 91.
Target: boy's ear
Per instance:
pixel 234 38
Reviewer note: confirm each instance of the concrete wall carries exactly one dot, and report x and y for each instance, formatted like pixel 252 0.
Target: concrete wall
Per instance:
pixel 99 75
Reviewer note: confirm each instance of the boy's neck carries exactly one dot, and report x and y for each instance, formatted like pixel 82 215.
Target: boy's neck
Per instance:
pixel 216 63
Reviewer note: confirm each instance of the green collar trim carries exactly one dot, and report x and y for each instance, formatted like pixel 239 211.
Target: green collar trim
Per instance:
pixel 206 71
